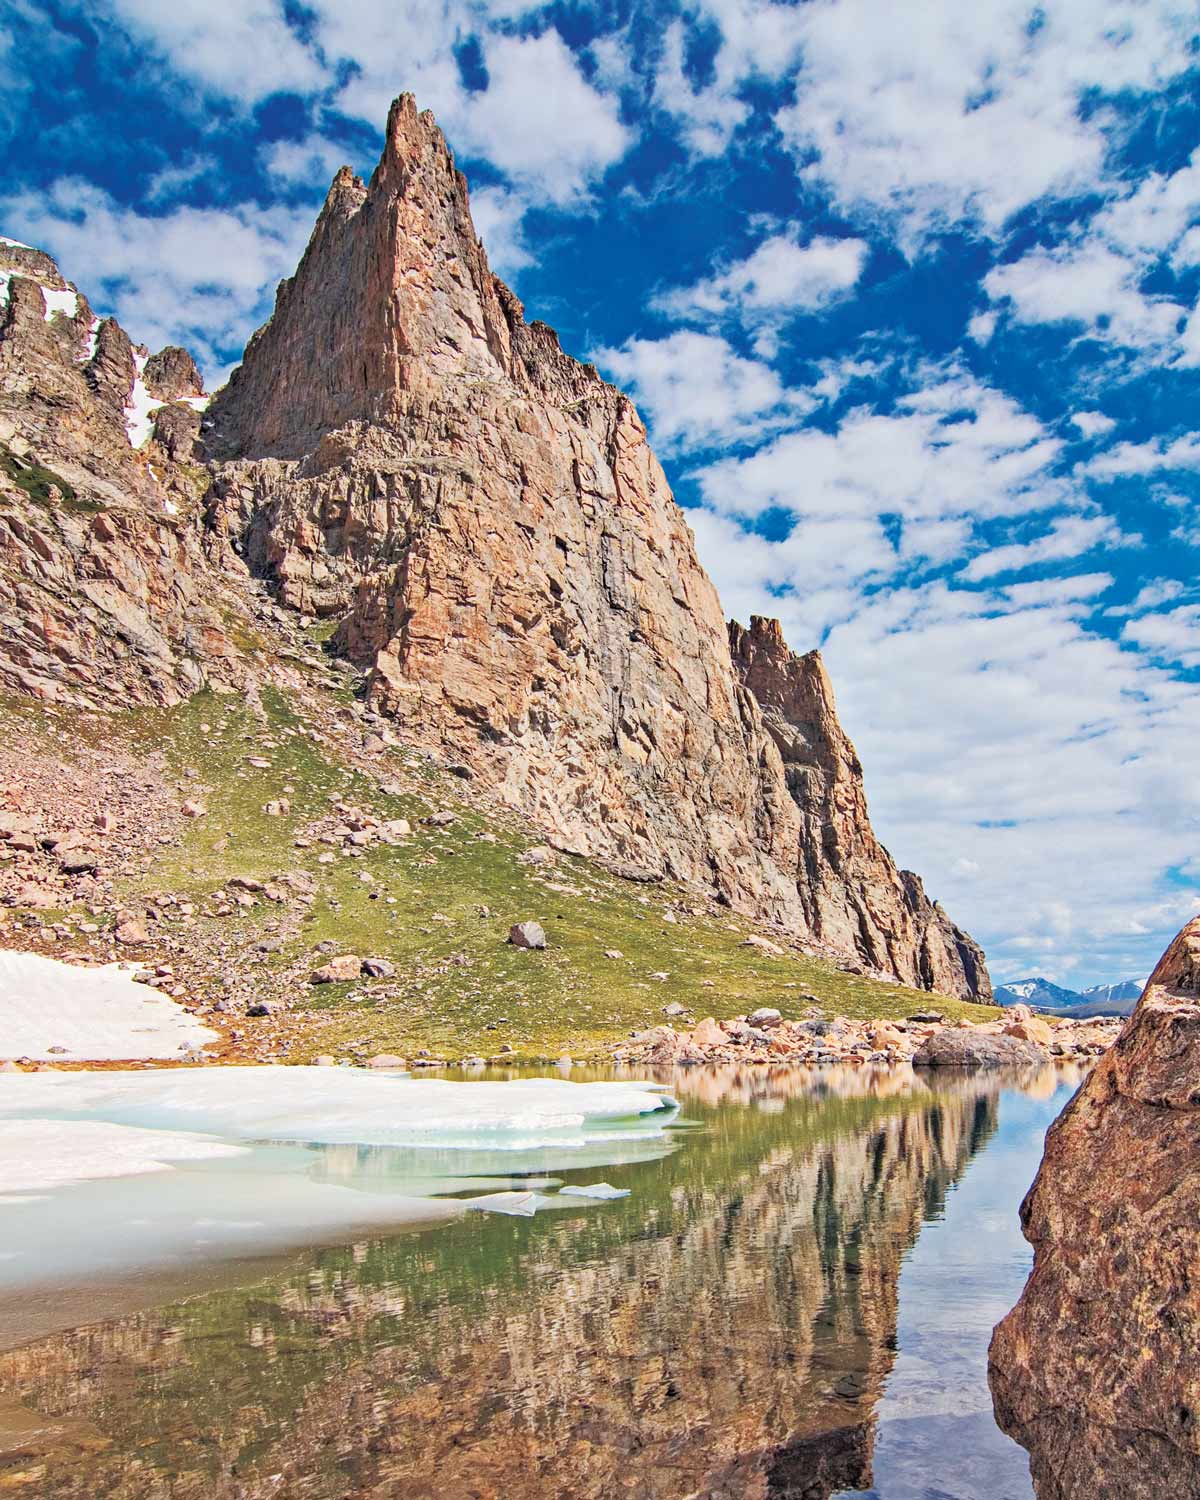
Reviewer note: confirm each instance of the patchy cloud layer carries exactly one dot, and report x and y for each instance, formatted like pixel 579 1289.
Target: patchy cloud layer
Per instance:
pixel 908 297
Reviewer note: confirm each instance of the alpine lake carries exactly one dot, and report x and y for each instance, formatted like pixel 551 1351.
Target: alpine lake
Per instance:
pixel 793 1302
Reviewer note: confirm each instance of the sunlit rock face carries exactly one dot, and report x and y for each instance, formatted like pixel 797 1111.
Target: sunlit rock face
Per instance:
pixel 105 596
pixel 1097 1369
pixel 723 1333
pixel 854 897
pixel 485 517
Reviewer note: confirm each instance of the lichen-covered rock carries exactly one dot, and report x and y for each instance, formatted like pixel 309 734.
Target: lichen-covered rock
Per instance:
pixel 1097 1369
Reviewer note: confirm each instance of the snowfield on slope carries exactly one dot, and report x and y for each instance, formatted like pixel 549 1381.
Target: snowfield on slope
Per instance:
pixel 92 1015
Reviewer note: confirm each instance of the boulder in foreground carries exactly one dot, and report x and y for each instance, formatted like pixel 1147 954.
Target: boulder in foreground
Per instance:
pixel 968 1048
pixel 1096 1371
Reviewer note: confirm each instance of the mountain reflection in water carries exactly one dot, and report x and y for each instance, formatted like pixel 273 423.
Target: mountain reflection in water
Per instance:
pixel 725 1332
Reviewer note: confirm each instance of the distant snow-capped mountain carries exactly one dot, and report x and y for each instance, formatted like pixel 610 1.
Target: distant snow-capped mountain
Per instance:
pixel 1036 992
pixel 1124 991
pixel 1097 1000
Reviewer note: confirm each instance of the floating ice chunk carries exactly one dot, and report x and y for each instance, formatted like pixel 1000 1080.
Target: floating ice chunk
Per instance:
pixel 593 1190
pixel 97 1014
pixel 44 1154
pixel 66 302
pixel 520 1205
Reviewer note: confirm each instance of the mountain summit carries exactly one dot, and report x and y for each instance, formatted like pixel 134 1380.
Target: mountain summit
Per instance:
pixel 401 453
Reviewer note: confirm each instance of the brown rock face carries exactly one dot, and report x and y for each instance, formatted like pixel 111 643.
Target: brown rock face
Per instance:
pixel 1097 1369
pixel 853 895
pixel 103 599
pixel 484 514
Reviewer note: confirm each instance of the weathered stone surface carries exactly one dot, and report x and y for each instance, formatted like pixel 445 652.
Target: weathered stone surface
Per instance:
pixel 171 374
pixel 527 935
pixel 853 895
pixel 969 1048
pixel 486 518
pixel 1097 1369
pixel 1031 1029
pixel 104 597
pixel 338 970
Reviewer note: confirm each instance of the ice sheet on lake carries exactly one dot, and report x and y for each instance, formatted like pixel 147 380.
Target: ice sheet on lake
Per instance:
pixel 97 1015
pixel 253 1159
pixel 349 1105
pixel 38 1155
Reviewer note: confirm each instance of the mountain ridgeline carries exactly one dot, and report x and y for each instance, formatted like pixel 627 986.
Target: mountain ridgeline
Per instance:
pixel 1116 999
pixel 484 525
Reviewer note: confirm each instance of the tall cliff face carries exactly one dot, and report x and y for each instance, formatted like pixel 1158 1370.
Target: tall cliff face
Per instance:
pixel 485 518
pixel 1097 1369
pixel 854 897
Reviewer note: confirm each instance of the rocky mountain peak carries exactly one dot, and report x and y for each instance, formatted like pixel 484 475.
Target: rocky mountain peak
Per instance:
pixel 484 519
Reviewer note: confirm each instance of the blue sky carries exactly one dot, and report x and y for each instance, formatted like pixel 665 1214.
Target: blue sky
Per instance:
pixel 907 295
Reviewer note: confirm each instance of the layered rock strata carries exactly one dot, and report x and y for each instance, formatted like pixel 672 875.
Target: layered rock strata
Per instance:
pixel 400 449
pixel 1097 1369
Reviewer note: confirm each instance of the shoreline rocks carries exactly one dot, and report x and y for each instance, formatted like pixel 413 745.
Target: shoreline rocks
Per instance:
pixel 765 1037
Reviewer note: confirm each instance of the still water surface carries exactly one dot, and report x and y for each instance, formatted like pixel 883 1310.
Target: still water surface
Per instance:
pixel 794 1302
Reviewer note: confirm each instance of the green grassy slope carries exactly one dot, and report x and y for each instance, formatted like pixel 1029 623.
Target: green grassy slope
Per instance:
pixel 439 906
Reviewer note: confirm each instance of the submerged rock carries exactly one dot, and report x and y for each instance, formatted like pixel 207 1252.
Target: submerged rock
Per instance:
pixel 1097 1369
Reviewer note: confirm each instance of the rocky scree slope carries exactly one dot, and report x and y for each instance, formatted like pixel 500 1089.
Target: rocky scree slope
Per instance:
pixel 481 515
pixel 1097 1369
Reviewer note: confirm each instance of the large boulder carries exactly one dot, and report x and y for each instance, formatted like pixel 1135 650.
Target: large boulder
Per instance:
pixel 527 935
pixel 1097 1369
pixel 967 1048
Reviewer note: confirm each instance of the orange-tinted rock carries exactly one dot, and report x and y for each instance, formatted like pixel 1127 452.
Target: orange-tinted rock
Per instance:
pixel 1097 1369
pixel 854 897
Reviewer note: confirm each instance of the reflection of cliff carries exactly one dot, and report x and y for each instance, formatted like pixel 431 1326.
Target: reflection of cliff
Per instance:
pixel 725 1332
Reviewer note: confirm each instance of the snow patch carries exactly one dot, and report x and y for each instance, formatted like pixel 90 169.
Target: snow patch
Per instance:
pixel 96 1014
pixel 140 406
pixel 66 302
pixel 89 348
pixel 197 403
pixel 16 244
